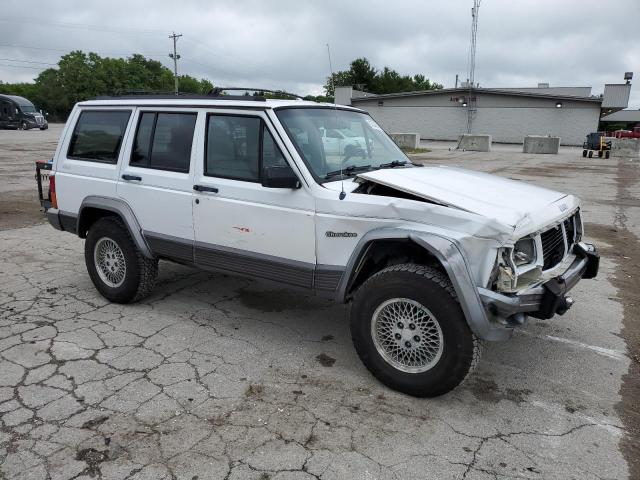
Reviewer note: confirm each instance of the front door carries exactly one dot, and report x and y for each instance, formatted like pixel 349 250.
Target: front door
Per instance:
pixel 240 225
pixel 156 179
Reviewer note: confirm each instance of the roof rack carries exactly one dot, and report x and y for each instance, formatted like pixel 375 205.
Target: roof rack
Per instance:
pixel 147 93
pixel 217 92
pixel 161 95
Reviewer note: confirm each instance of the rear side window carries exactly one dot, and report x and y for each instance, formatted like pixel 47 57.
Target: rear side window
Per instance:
pixel 98 135
pixel 163 141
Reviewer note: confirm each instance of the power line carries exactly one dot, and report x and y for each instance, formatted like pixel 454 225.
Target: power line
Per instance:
pixel 70 49
pixel 25 61
pixel 81 26
pixel 228 58
pixel 22 66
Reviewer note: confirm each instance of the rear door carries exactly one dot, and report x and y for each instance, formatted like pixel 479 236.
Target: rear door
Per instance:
pixel 156 178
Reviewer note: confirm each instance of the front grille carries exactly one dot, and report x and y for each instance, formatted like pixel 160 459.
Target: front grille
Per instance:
pixel 40 120
pixel 557 240
pixel 552 247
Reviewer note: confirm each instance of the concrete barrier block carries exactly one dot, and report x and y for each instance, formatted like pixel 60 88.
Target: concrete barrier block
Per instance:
pixel 476 143
pixel 406 140
pixel 625 147
pixel 541 144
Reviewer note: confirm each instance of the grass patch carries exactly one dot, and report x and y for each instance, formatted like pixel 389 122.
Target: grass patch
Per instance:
pixel 413 151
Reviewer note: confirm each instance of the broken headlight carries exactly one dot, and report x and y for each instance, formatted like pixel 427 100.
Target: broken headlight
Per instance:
pixel 524 251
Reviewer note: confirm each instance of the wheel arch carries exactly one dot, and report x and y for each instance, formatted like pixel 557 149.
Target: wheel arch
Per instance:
pixel 448 255
pixel 95 207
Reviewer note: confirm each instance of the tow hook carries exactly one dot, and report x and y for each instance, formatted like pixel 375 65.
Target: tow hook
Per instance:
pixel 564 305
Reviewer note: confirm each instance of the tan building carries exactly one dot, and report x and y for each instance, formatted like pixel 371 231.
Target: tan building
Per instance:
pixel 507 114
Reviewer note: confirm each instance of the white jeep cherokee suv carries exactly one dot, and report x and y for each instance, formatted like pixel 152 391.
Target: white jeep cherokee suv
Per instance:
pixel 431 259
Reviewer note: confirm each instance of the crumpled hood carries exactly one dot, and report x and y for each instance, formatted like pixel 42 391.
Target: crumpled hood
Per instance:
pixel 510 202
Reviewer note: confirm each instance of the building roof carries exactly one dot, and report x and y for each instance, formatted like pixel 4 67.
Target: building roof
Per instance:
pixel 623 116
pixel 492 91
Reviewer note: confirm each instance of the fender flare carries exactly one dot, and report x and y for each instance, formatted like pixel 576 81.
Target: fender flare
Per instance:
pixel 125 212
pixel 450 255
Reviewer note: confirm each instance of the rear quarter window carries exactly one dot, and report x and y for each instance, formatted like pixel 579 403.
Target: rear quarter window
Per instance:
pixel 98 135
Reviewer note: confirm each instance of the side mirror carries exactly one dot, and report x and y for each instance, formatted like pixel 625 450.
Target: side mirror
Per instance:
pixel 280 177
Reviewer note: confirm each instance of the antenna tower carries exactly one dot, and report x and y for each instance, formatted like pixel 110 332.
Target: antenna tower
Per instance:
pixel 471 101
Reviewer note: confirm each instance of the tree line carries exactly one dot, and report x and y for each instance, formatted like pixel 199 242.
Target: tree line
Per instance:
pixel 81 76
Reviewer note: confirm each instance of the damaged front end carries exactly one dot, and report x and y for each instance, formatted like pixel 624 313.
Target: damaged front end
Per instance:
pixel 520 246
pixel 534 276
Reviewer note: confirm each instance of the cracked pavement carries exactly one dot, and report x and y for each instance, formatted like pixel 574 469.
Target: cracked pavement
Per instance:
pixel 215 377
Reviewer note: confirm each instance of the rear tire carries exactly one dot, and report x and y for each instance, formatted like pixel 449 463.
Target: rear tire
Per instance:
pixel 410 332
pixel 607 154
pixel 584 153
pixel 590 154
pixel 117 268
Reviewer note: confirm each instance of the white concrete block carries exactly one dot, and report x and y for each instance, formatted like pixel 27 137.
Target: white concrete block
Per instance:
pixel 476 143
pixel 625 147
pixel 406 140
pixel 541 144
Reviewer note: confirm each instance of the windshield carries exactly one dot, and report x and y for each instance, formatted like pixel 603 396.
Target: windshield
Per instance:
pixel 28 108
pixel 330 140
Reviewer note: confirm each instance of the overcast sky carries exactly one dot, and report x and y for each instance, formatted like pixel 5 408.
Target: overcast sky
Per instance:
pixel 282 44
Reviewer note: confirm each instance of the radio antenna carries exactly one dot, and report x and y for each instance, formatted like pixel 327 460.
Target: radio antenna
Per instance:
pixel 343 194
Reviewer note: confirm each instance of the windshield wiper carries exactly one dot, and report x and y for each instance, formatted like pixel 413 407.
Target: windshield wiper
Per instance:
pixel 395 163
pixel 350 170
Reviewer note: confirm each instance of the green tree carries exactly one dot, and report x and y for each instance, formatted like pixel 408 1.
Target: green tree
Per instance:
pixel 363 75
pixel 80 76
pixel 26 90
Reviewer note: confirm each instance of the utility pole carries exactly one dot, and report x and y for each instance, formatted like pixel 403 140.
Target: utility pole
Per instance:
pixel 175 57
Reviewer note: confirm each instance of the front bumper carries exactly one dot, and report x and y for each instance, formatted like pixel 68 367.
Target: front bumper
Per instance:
pixel 548 299
pixel 33 123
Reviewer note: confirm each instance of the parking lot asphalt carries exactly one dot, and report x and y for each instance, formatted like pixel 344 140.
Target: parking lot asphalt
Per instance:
pixel 214 377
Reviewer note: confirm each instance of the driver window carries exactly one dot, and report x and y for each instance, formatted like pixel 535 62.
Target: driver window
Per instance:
pixel 233 147
pixel 238 147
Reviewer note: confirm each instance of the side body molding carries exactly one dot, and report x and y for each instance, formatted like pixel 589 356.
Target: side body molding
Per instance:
pixel 455 264
pixel 126 213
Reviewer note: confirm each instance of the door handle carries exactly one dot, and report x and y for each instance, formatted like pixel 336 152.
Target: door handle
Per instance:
pixel 131 177
pixel 204 188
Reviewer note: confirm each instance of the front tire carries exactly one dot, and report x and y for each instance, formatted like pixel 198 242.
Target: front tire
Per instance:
pixel 410 332
pixel 117 268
